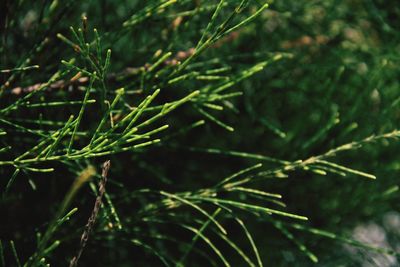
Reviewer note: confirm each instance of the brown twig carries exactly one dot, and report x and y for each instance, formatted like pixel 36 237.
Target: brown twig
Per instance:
pixel 93 216
pixel 305 41
pixel 79 80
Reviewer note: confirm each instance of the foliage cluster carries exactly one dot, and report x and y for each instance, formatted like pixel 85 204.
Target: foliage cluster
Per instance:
pixel 240 133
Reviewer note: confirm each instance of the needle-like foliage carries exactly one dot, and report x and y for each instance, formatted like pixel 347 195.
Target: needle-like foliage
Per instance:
pixel 240 133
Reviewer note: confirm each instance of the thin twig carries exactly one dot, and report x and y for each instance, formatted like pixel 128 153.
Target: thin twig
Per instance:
pixel 93 216
pixel 80 80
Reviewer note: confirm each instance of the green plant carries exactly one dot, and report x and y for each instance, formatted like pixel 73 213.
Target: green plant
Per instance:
pixel 178 95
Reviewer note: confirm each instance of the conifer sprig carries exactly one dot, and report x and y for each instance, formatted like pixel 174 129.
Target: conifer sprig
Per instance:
pixel 221 119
